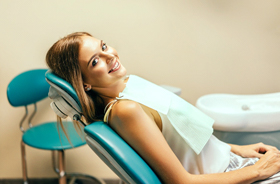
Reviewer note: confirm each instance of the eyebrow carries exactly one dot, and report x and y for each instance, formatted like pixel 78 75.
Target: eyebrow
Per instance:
pixel 101 43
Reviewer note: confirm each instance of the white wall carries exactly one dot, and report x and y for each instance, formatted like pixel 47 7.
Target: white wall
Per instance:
pixel 201 46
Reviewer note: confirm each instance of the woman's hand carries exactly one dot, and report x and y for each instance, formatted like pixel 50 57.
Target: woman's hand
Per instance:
pixel 253 150
pixel 268 164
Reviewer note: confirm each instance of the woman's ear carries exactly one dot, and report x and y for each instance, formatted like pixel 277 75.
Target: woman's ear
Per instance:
pixel 87 87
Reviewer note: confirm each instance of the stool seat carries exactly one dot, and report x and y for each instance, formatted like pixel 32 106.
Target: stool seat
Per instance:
pixel 46 136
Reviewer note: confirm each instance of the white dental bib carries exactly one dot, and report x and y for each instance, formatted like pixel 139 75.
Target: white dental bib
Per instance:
pixel 187 131
pixel 193 125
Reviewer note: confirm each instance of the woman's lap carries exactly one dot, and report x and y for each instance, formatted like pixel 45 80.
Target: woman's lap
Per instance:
pixel 238 162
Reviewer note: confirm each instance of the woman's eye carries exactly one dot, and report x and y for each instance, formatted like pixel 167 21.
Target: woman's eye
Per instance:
pixel 94 62
pixel 104 46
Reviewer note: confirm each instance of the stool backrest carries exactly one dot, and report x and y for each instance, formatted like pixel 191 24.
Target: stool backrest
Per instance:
pixel 28 88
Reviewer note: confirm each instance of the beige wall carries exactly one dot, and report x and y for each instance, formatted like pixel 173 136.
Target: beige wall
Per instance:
pixel 214 46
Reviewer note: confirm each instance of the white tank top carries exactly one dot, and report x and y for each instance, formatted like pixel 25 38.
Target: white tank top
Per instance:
pixel 192 124
pixel 213 157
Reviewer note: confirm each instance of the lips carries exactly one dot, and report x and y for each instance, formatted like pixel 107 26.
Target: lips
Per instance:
pixel 116 66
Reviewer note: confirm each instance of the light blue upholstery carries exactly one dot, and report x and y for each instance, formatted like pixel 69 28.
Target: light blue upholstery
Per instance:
pixel 29 88
pixel 121 152
pixel 63 84
pixel 46 136
pixel 109 146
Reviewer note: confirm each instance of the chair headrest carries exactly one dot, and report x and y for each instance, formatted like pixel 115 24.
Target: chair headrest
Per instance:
pixel 65 99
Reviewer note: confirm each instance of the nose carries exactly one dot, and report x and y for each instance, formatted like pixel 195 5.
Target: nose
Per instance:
pixel 108 56
pixel 111 57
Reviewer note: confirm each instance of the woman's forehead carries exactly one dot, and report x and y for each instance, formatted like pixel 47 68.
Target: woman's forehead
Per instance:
pixel 90 42
pixel 88 48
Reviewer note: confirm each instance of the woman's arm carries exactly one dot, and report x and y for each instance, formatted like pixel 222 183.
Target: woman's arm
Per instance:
pixel 252 150
pixel 130 121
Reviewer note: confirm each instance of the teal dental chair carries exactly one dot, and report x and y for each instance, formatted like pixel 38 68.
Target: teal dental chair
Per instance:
pixel 106 143
pixel 25 90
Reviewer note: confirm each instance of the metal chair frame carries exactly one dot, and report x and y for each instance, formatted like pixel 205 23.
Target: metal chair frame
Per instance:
pixel 58 156
pixel 58 165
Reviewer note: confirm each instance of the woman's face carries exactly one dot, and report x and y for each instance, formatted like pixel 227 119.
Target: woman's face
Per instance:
pixel 100 64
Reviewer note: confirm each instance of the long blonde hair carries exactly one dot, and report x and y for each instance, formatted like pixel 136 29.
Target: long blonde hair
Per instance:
pixel 62 59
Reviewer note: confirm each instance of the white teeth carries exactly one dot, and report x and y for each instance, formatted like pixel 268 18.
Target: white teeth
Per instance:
pixel 116 66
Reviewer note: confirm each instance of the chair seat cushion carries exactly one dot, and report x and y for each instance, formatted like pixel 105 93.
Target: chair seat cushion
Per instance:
pixel 46 136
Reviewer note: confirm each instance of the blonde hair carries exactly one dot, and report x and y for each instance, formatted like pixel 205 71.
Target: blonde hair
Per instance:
pixel 62 59
pixel 77 126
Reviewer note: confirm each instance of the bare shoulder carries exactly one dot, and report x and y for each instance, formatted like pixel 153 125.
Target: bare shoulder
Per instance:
pixel 140 131
pixel 124 106
pixel 126 110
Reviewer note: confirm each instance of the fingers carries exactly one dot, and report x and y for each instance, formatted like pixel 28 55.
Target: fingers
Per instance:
pixel 262 148
pixel 269 164
pixel 273 153
pixel 257 155
pixel 273 148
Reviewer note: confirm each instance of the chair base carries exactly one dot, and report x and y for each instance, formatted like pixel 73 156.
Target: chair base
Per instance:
pixel 74 178
pixel 59 168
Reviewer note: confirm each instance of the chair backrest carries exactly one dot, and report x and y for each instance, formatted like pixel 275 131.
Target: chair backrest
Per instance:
pixel 106 143
pixel 27 88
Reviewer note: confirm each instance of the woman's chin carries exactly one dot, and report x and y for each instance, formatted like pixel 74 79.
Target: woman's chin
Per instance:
pixel 121 72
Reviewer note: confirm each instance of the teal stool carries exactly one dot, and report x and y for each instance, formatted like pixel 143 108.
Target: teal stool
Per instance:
pixel 27 89
pixel 103 140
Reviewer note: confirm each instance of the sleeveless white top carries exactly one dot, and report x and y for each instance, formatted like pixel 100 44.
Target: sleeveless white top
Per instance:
pixel 187 130
pixel 214 157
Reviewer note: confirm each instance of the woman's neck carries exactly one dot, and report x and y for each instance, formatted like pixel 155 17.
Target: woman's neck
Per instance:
pixel 110 94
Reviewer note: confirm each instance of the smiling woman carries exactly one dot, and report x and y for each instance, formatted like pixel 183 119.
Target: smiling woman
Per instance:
pixel 153 120
pixel 63 59
pixel 100 66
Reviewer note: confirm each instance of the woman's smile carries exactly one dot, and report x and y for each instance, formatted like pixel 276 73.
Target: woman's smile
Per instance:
pixel 100 65
pixel 116 66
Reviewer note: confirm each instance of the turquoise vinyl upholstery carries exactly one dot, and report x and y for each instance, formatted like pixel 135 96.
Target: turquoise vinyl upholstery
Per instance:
pixel 46 136
pixel 121 152
pixel 26 89
pixel 110 147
